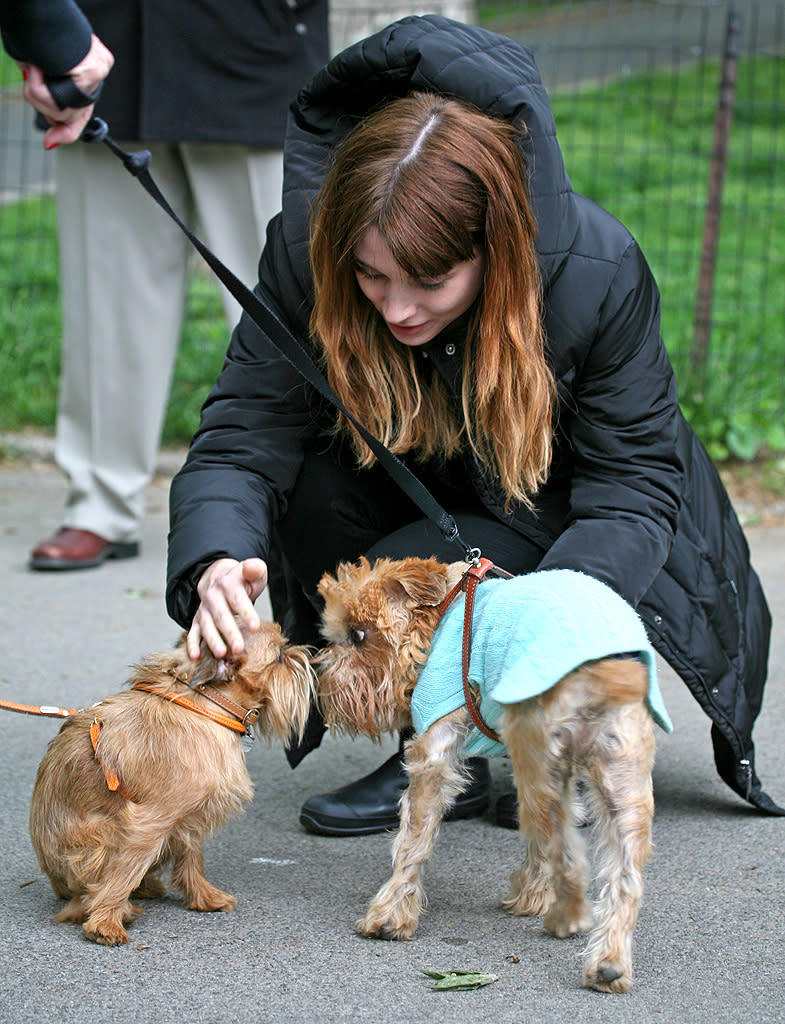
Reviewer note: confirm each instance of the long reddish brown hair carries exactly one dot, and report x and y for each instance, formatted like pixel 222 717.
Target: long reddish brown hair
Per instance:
pixel 438 180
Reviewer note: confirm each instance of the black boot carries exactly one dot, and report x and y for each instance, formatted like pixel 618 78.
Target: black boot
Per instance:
pixel 371 803
pixel 507 809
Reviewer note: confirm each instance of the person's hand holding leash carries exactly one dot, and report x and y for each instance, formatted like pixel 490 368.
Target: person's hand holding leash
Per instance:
pixel 67 102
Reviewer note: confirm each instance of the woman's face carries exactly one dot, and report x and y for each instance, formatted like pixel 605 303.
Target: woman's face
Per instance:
pixel 414 309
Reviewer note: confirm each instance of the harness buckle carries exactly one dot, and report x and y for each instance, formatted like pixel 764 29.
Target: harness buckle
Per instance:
pixel 250 718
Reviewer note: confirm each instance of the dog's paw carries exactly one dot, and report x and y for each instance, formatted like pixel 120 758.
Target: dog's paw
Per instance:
pixel 563 920
pixel 210 899
pixel 370 927
pixel 74 912
pixel 606 976
pixel 131 911
pixel 531 893
pixel 393 913
pixel 106 933
pixel 532 901
pixel 395 922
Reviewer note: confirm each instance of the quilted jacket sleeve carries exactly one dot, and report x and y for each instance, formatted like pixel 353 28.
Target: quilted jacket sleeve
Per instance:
pixel 621 421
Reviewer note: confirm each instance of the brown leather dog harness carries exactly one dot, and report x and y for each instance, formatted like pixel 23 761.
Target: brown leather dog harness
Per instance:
pixel 468 583
pixel 240 720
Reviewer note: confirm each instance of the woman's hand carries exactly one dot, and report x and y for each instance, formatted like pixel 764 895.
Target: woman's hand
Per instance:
pixel 68 123
pixel 228 590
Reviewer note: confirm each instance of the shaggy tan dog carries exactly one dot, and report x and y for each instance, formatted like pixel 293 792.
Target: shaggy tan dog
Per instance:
pixel 135 782
pixel 593 725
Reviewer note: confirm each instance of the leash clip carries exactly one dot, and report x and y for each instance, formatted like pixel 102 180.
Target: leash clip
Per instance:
pixel 478 569
pixel 474 557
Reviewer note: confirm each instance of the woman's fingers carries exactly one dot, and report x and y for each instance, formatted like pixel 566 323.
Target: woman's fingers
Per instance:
pixel 227 589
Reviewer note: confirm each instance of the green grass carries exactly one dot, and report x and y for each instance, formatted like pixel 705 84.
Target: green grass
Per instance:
pixel 641 148
pixel 29 315
pixel 30 329
pixel 9 70
pixel 199 359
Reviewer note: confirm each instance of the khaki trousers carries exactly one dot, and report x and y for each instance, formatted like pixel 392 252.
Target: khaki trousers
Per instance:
pixel 123 276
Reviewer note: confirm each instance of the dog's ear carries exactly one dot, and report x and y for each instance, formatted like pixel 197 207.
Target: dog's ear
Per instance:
pixel 327 585
pixel 349 574
pixel 210 669
pixel 424 580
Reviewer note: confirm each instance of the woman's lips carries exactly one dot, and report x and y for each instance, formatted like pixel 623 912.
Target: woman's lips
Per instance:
pixel 406 330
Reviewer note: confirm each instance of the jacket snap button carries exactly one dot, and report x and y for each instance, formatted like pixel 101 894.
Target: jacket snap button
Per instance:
pixel 658 619
pixel 449 349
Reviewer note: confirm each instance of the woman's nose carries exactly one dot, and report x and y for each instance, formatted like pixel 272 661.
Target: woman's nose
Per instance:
pixel 398 304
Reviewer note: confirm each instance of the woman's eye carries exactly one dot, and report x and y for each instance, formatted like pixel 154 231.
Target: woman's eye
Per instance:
pixel 357 637
pixel 369 275
pixel 430 286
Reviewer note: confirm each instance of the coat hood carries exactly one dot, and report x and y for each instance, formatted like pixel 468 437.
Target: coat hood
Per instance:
pixel 430 54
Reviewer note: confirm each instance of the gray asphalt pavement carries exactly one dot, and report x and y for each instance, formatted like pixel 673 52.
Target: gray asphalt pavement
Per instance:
pixel 709 943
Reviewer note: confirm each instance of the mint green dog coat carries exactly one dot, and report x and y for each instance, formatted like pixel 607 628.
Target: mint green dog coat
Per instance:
pixel 528 632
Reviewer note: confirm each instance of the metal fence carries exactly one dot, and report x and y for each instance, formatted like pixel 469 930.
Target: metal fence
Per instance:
pixel 670 113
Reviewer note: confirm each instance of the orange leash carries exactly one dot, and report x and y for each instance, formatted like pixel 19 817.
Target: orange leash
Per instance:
pixel 47 710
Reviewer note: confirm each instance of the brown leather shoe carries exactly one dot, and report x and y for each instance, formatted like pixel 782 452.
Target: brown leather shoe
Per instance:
pixel 78 549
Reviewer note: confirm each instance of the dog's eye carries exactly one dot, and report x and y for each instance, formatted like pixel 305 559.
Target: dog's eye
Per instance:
pixel 357 637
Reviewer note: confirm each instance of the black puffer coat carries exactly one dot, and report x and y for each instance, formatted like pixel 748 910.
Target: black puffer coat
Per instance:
pixel 632 498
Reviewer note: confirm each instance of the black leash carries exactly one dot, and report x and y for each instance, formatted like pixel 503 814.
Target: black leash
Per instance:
pixel 285 342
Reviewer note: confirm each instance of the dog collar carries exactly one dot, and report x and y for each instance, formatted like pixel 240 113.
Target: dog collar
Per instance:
pixel 240 721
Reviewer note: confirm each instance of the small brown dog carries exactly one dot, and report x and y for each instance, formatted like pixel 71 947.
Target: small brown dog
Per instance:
pixel 135 782
pixel 593 724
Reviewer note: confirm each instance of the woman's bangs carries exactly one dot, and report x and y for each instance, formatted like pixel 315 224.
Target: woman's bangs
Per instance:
pixel 425 245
